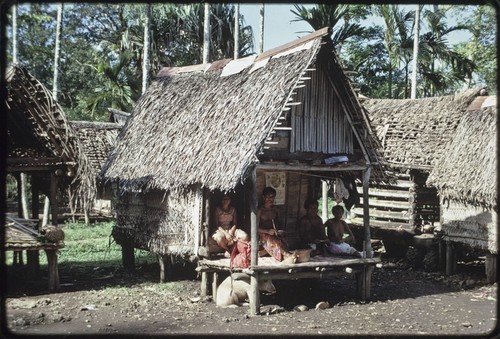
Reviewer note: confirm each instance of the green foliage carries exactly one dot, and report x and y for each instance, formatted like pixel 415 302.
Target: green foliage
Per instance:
pixel 91 245
pixel 481 21
pixel 343 20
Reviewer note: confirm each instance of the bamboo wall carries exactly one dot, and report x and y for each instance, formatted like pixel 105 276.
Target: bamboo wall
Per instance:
pixel 314 120
pixel 158 222
pixel 471 225
pixel 406 204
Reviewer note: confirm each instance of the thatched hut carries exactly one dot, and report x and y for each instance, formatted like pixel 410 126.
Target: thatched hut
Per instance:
pixel 282 118
pixel 117 116
pixel 97 140
pixel 466 179
pixel 414 133
pixel 42 143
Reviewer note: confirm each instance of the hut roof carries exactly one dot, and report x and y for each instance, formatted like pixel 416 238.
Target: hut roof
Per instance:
pixel 207 124
pixel 39 135
pixel 118 116
pixel 415 132
pixel 468 171
pixel 97 139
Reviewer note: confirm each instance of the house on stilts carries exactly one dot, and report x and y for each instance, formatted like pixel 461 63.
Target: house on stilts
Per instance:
pixel 286 118
pixel 413 134
pixel 42 144
pixel 466 180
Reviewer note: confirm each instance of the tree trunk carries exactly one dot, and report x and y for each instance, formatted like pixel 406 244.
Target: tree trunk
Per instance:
pixel 236 30
pixel 415 54
pixel 57 53
pixel 24 197
pixel 206 33
pixel 145 63
pixel 14 34
pixel 261 38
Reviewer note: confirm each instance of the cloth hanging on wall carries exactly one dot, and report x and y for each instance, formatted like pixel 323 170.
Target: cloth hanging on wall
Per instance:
pixel 353 198
pixel 340 191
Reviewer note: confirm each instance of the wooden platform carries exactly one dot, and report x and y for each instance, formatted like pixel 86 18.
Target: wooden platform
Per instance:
pixel 19 236
pixel 321 266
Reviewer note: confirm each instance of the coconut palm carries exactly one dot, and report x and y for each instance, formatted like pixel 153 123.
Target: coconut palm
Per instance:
pixel 336 16
pixel 440 65
pixel 113 90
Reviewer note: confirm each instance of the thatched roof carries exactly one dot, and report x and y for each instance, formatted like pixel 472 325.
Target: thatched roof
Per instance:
pixel 415 132
pixel 117 116
pixel 39 135
pixel 468 170
pixel 207 124
pixel 97 139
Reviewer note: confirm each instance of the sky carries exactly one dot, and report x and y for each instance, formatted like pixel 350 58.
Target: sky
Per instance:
pixel 279 30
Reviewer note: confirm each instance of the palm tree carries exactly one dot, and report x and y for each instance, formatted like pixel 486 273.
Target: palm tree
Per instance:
pixel 415 54
pixel 113 90
pixel 398 41
pixel 236 30
pixel 206 33
pixel 261 28
pixel 337 17
pixel 436 53
pixel 146 48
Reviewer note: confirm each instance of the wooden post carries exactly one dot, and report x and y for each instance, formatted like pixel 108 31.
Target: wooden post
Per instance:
pixel 53 270
pixel 366 211
pixel 442 255
pixel 35 198
pixel 33 257
pixel 166 265
pixel 19 195
pixel 215 284
pixel 363 282
pixel 254 282
pixel 324 196
pixel 128 259
pixel 451 258
pixel 53 198
pixel 204 283
pixel 491 268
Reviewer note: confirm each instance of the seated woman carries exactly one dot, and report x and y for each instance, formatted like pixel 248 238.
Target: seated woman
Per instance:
pixel 225 217
pixel 268 216
pixel 225 214
pixel 311 229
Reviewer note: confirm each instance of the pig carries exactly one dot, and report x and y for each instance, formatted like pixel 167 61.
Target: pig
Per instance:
pixel 240 290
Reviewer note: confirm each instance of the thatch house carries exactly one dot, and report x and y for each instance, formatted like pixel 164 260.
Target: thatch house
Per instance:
pixel 466 179
pixel 42 143
pixel 414 133
pixel 117 116
pixel 97 140
pixel 235 126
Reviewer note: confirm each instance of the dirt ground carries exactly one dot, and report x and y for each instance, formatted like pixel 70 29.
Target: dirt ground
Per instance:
pixel 111 301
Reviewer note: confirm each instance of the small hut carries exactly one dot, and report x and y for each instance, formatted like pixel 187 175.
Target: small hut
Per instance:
pixel 42 143
pixel 97 140
pixel 413 133
pixel 466 179
pixel 285 118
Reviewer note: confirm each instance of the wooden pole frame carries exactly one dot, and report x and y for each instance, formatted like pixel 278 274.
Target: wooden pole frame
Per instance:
pixel 254 279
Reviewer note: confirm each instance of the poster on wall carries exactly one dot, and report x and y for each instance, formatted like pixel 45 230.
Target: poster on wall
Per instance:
pixel 277 181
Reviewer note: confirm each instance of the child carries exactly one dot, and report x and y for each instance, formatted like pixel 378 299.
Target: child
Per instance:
pixel 310 227
pixel 336 228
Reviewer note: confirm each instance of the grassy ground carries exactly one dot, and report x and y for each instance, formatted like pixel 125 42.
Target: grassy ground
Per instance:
pixel 90 245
